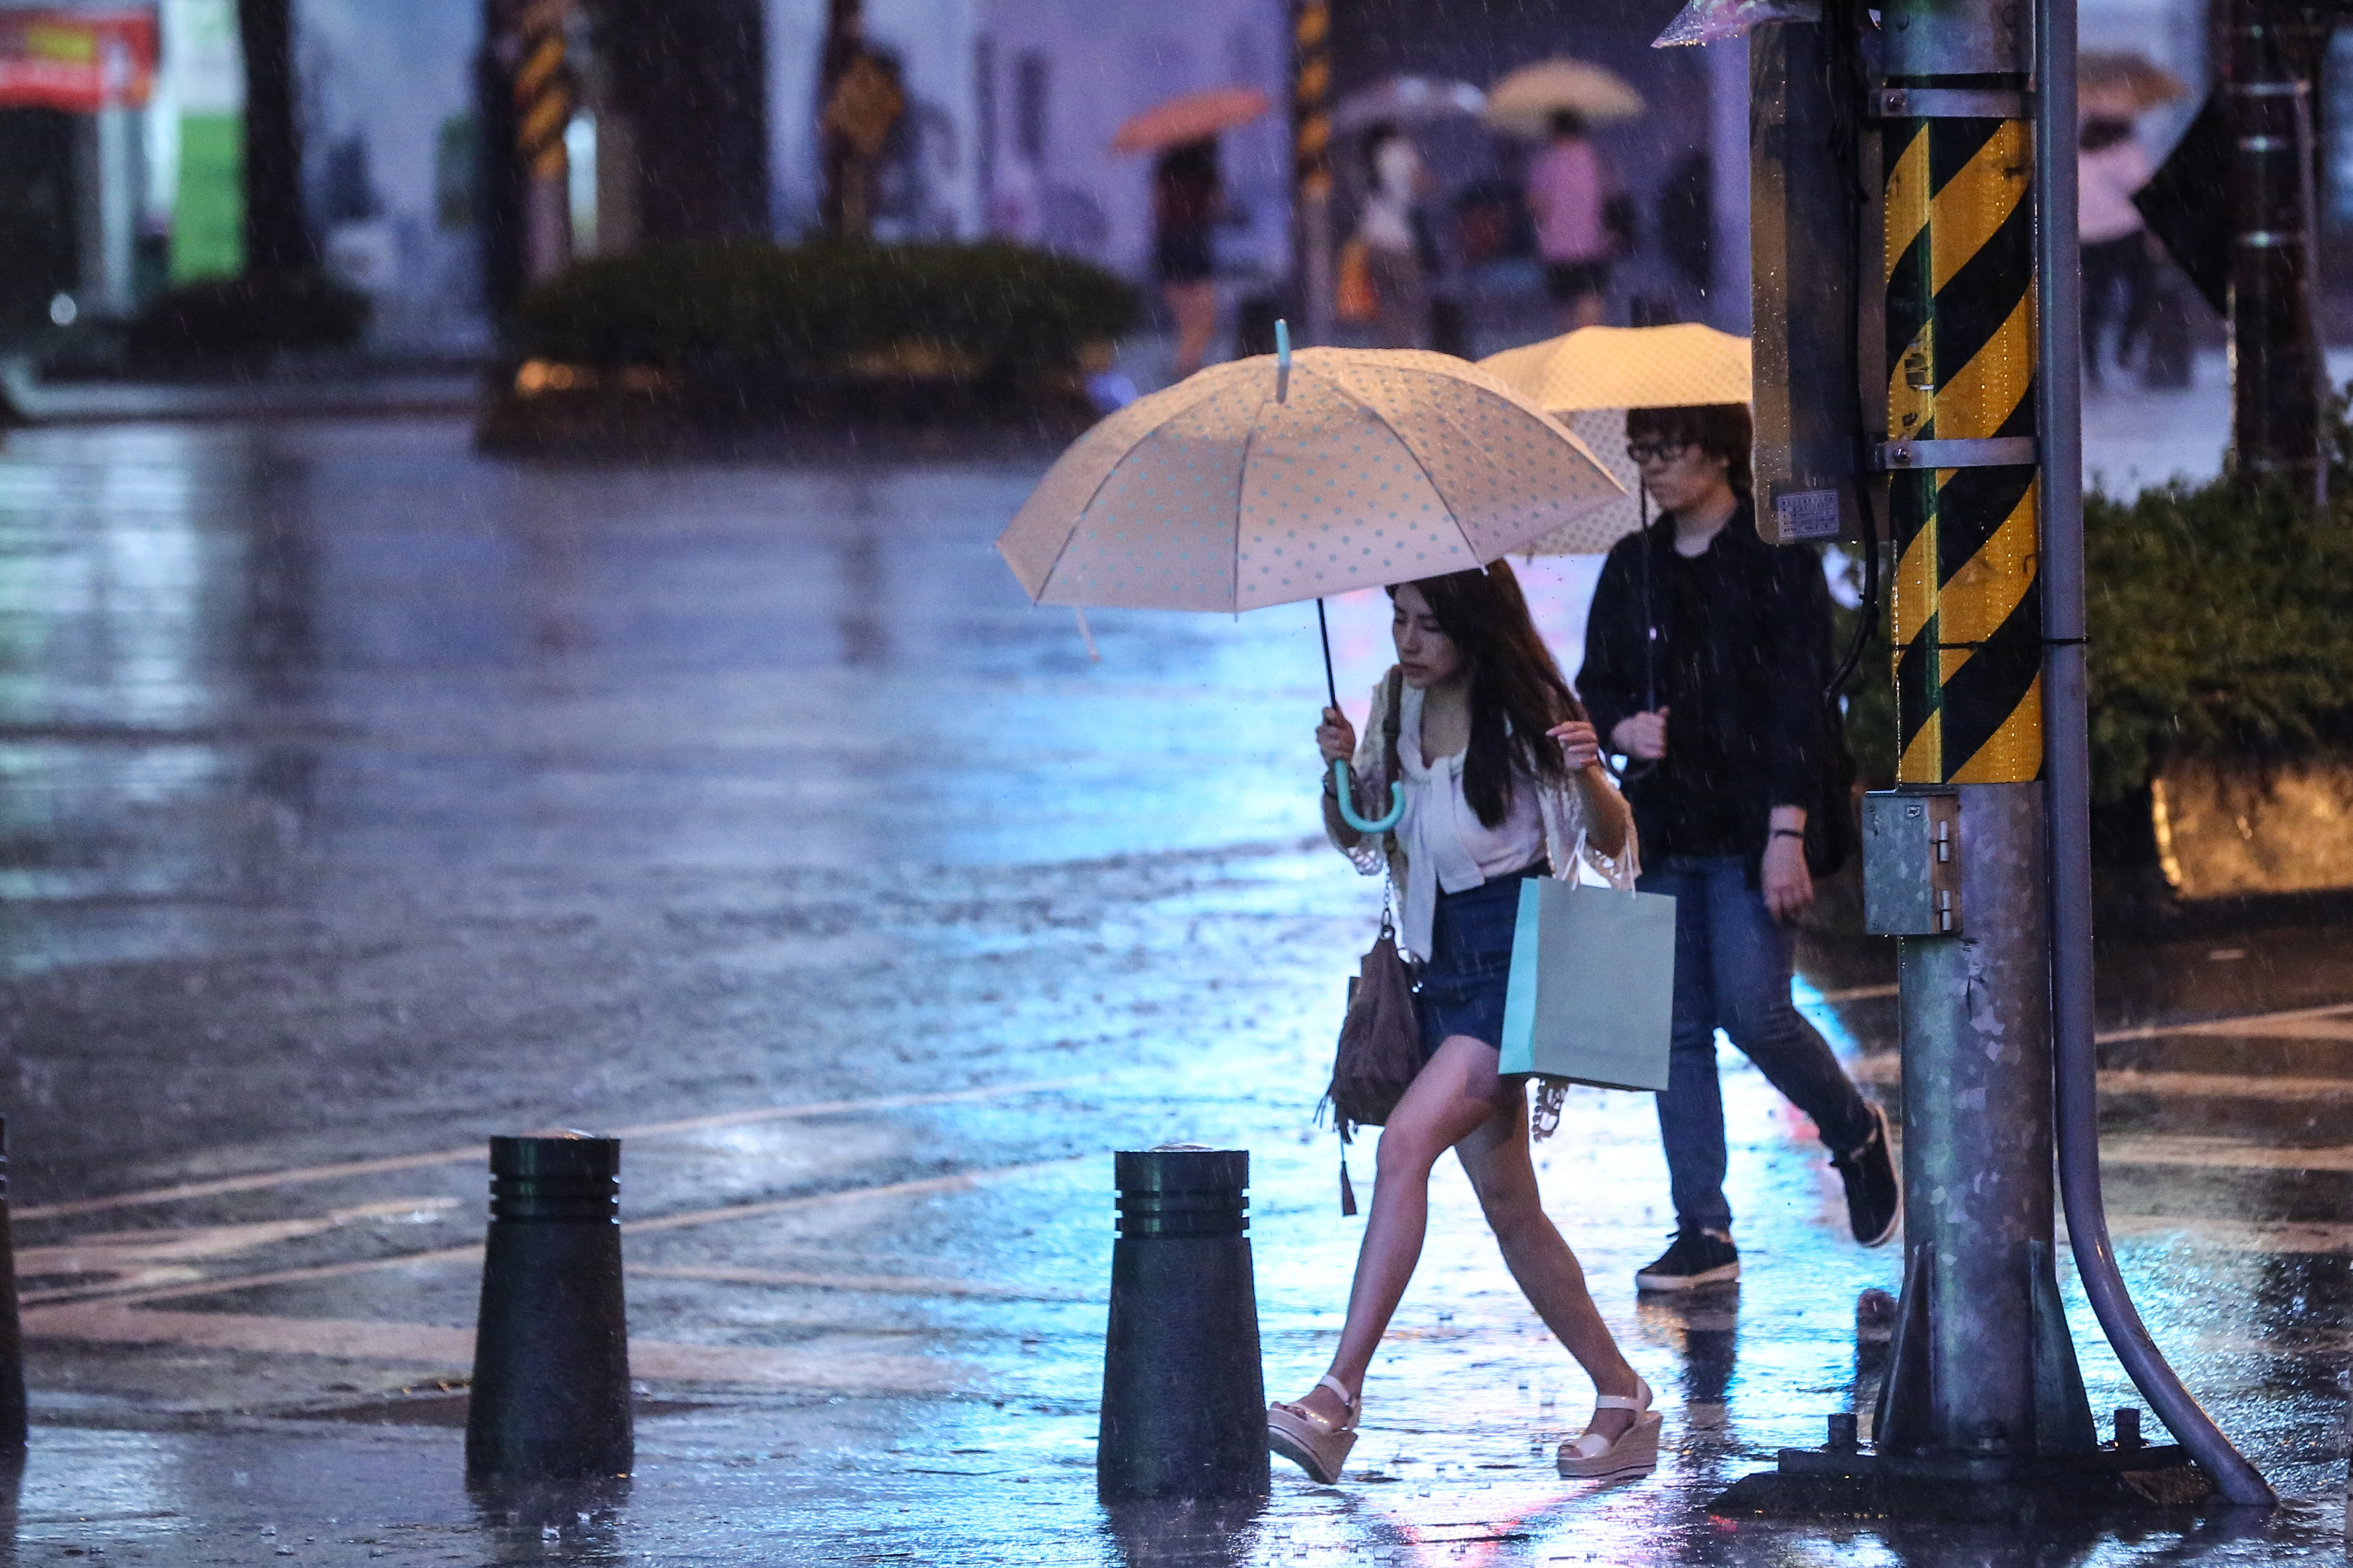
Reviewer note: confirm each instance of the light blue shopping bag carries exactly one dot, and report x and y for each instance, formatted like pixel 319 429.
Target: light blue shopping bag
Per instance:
pixel 1592 992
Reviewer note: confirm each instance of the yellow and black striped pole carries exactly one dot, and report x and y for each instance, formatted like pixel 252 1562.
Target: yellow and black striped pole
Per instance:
pixel 543 90
pixel 1310 163
pixel 1960 391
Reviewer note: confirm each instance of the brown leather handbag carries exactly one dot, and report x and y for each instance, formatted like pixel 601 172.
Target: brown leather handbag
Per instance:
pixel 1380 1037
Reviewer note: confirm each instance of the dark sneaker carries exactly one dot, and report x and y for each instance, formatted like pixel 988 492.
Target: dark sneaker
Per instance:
pixel 1697 1258
pixel 1875 1192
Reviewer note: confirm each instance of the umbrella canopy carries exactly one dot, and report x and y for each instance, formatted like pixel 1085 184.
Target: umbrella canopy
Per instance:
pixel 2121 83
pixel 1589 377
pixel 1406 101
pixel 1195 117
pixel 1628 367
pixel 1241 486
pixel 1524 102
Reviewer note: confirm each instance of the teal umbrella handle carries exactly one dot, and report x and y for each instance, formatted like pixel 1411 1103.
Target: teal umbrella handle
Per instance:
pixel 1347 792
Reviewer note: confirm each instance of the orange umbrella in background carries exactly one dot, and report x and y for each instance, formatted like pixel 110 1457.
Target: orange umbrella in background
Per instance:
pixel 1194 117
pixel 2121 83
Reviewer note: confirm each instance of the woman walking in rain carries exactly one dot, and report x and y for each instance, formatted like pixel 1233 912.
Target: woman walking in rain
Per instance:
pixel 1396 181
pixel 1502 780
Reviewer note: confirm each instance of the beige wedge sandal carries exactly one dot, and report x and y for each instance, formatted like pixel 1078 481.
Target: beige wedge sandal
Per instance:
pixel 1591 1456
pixel 1316 1446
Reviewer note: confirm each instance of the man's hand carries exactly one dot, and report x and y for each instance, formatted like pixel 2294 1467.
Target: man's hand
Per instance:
pixel 1643 737
pixel 1786 885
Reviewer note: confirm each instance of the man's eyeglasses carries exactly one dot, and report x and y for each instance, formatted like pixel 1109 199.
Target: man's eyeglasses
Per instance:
pixel 1665 449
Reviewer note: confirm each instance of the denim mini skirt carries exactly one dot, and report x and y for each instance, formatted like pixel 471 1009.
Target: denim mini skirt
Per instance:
pixel 1462 984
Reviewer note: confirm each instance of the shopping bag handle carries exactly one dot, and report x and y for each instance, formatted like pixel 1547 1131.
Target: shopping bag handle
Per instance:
pixel 1344 785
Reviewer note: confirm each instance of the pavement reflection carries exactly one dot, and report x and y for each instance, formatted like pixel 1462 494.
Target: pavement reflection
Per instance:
pixel 366 797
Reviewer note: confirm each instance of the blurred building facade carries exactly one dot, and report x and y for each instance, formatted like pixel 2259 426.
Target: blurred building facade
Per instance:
pixel 698 117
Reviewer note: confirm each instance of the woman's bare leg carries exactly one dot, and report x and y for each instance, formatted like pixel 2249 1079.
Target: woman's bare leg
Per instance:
pixel 1495 1157
pixel 1195 306
pixel 1448 1100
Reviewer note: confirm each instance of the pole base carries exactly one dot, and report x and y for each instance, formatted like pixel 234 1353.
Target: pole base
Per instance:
pixel 1961 1488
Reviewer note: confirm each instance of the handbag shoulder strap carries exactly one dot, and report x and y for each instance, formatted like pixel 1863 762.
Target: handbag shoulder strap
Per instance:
pixel 1392 719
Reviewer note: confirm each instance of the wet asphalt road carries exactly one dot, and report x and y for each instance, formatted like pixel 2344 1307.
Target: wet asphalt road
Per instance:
pixel 364 798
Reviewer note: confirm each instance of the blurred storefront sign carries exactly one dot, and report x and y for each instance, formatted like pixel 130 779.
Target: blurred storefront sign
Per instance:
pixel 196 140
pixel 78 61
pixel 2230 830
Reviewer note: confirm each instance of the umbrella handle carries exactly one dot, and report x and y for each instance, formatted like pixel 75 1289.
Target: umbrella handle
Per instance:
pixel 1345 785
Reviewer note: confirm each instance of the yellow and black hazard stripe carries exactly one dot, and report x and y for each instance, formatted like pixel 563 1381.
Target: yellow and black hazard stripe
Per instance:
pixel 543 90
pixel 1960 338
pixel 1311 98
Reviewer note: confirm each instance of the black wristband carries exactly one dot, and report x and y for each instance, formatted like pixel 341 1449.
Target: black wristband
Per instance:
pixel 1788 833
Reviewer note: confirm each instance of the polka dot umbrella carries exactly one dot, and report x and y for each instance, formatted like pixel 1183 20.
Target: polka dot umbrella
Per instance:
pixel 1286 477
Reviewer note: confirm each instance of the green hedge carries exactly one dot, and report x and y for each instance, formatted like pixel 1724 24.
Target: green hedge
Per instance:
pixel 808 309
pixel 2221 617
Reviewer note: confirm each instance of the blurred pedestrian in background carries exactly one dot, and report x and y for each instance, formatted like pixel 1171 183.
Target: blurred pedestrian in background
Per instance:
pixel 1395 180
pixel 2117 278
pixel 1706 654
pixel 1187 194
pixel 1569 187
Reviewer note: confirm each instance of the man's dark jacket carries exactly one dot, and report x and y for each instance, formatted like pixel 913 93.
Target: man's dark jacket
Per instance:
pixel 1742 655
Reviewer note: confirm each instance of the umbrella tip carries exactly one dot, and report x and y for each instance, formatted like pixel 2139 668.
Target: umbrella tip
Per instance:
pixel 1282 359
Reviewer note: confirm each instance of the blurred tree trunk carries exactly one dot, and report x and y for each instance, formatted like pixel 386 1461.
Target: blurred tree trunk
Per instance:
pixel 690 78
pixel 277 239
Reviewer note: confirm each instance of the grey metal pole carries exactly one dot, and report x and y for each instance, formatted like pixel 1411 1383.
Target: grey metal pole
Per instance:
pixel 2068 770
pixel 1977 1157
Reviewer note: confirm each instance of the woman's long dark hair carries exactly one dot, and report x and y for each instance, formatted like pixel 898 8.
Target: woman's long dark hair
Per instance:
pixel 1512 677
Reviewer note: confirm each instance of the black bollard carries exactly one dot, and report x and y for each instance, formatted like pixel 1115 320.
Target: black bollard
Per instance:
pixel 551 1394
pixel 1184 1402
pixel 12 1342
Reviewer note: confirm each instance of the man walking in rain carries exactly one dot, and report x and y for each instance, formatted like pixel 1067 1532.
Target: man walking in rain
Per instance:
pixel 1705 657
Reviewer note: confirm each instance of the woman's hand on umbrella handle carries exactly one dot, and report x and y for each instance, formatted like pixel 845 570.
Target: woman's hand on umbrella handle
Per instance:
pixel 1581 747
pixel 1335 737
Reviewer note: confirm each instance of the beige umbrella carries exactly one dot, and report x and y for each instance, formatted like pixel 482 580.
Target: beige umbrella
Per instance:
pixel 1588 378
pixel 1232 490
pixel 1283 477
pixel 1524 102
pixel 1195 117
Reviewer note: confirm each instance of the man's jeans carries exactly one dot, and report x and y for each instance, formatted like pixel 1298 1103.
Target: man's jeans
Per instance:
pixel 1732 971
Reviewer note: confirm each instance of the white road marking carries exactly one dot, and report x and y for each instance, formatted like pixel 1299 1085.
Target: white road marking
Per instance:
pixel 2237 1234
pixel 1807 997
pixel 960 1182
pixel 259 1180
pixel 877 1284
pixel 838 1363
pixel 1887 1068
pixel 2223 1152
pixel 2334 1022
pixel 2226 1086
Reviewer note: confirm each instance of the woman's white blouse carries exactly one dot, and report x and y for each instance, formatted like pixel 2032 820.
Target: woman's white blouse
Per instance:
pixel 1441 845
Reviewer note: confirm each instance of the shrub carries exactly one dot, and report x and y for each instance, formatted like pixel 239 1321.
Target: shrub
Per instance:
pixel 2221 621
pixel 228 316
pixel 814 309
